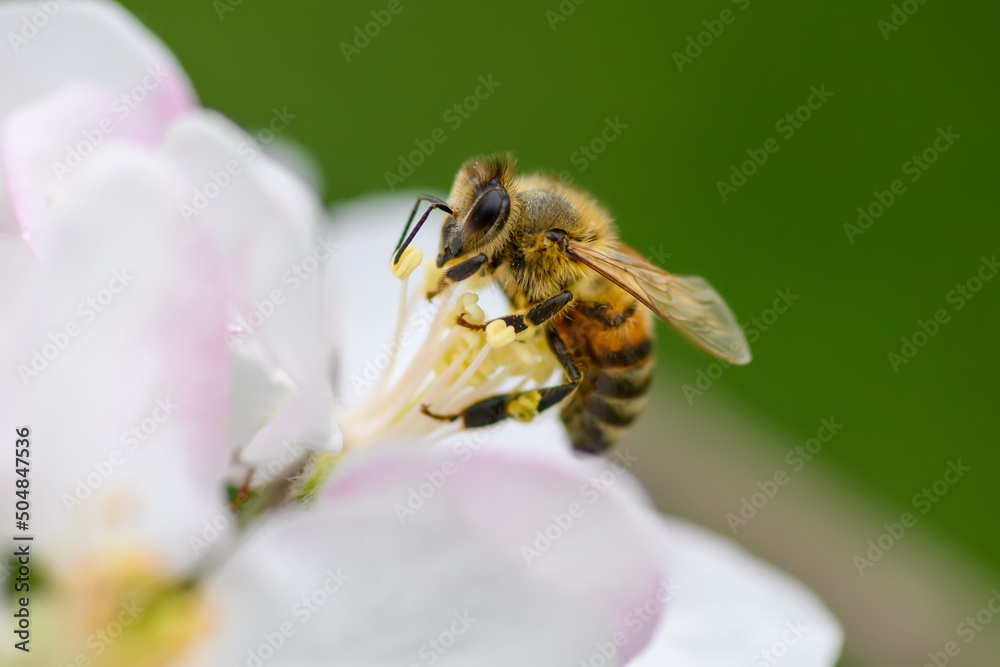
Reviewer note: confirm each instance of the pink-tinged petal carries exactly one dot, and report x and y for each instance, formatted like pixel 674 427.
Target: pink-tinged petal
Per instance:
pixel 118 360
pixel 729 608
pixel 264 221
pixel 464 575
pixel 97 44
pixel 45 144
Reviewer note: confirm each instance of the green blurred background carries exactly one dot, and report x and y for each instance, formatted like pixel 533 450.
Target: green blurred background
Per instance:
pixel 784 228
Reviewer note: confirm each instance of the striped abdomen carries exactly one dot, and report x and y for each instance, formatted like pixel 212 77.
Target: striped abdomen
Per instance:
pixel 613 344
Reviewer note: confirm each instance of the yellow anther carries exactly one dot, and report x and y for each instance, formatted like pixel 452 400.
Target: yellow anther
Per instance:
pixel 524 407
pixel 499 333
pixel 408 263
pixel 474 314
pixel 467 308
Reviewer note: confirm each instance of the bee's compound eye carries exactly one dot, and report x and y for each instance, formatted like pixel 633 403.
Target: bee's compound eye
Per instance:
pixel 491 208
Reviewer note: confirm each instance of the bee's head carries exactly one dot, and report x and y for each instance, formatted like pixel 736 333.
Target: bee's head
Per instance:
pixel 483 201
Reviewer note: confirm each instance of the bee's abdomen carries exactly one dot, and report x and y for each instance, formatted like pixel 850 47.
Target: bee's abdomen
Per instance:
pixel 618 370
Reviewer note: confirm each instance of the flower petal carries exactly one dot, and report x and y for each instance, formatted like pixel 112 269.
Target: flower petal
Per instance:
pixel 93 44
pixel 730 608
pixel 264 221
pixel 118 361
pixel 410 552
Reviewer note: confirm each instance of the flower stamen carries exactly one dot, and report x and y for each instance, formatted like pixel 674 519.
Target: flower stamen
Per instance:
pixel 408 263
pixel 499 334
pixel 453 367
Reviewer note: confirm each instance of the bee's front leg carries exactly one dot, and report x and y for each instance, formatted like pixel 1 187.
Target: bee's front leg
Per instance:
pixel 538 315
pixel 461 271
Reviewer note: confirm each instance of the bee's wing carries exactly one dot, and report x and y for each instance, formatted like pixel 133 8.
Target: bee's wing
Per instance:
pixel 687 303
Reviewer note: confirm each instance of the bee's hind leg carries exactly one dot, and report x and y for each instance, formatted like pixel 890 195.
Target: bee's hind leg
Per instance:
pixel 520 405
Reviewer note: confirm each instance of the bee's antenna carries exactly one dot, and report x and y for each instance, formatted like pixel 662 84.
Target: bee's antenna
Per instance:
pixel 436 203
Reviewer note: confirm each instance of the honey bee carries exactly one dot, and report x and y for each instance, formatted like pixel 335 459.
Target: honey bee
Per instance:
pixel 554 251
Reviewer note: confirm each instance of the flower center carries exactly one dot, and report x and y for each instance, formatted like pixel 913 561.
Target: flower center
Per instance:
pixel 453 367
pixel 117 609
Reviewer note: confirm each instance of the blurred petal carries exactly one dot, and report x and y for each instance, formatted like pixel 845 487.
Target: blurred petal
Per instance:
pixel 731 609
pixel 45 144
pixel 118 360
pixel 263 220
pixel 258 390
pixel 299 160
pixel 417 549
pixel 96 44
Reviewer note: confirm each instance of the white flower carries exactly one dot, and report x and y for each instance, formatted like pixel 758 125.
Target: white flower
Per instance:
pixel 722 607
pixel 167 324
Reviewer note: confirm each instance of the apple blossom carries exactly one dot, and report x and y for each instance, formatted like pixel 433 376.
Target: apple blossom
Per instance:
pixel 181 316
